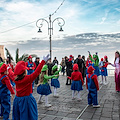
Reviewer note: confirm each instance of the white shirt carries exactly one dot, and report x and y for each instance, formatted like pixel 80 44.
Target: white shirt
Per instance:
pixel 116 64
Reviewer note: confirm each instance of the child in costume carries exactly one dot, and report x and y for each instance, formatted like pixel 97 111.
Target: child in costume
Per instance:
pixel 55 82
pixel 77 81
pixel 101 62
pixel 103 67
pixel 24 105
pixel 88 64
pixel 5 89
pixel 10 64
pixel 43 86
pixel 93 87
pixel 30 67
pixel 95 64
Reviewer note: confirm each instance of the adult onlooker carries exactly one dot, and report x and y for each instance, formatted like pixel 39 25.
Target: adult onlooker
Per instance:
pixel 1 60
pixel 117 70
pixel 50 65
pixel 63 66
pixel 84 67
pixel 55 61
pixel 37 61
pixel 69 66
pixel 80 63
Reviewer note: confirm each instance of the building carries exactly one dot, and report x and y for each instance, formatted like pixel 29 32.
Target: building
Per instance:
pixel 2 51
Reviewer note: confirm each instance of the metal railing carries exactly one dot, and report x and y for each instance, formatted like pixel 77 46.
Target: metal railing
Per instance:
pixel 111 72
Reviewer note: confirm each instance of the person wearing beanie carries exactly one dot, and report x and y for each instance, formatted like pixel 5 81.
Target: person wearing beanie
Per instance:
pixel 43 86
pixel 104 69
pixel 30 67
pixel 55 82
pixel 5 90
pixel 77 81
pixel 95 64
pixel 24 105
pixel 10 64
pixel 92 86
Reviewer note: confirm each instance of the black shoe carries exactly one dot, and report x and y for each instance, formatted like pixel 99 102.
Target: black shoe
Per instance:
pixel 67 84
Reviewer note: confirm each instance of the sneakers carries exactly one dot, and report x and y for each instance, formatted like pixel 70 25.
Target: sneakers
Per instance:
pixel 40 102
pixel 101 82
pixel 90 104
pixel 48 105
pixel 1 117
pixel 105 83
pixel 73 98
pixel 56 95
pixel 96 106
pixel 79 99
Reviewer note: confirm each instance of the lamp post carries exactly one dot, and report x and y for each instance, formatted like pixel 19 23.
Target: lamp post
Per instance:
pixel 39 24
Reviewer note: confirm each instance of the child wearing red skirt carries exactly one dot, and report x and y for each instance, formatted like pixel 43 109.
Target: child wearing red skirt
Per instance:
pixel 77 81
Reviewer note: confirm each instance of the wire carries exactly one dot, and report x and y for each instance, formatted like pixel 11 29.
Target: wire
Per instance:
pixel 58 8
pixel 33 21
pixel 20 26
pixel 17 27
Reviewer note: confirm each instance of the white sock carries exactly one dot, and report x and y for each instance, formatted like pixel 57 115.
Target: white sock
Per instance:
pixel 55 91
pixel 105 79
pixel 73 92
pixel 78 95
pixel 46 100
pixel 40 98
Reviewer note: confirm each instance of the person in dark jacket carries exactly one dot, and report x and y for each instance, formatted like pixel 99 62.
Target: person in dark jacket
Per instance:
pixel 69 66
pixel 37 61
pixel 55 61
pixel 1 60
pixel 50 65
pixel 84 68
pixel 63 66
pixel 80 63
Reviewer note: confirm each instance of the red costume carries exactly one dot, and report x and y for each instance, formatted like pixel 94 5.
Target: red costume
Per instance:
pixel 6 80
pixel 94 77
pixel 5 89
pixel 24 86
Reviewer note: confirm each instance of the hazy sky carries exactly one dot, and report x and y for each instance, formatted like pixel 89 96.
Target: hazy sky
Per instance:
pixel 81 16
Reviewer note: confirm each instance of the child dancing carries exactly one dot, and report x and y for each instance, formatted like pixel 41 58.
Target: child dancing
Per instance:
pixel 93 87
pixel 43 85
pixel 104 70
pixel 24 105
pixel 77 81
pixel 55 82
pixel 5 89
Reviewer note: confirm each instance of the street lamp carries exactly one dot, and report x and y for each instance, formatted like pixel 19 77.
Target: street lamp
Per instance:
pixel 39 24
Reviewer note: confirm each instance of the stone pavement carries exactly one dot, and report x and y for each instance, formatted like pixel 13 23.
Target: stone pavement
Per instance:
pixel 64 108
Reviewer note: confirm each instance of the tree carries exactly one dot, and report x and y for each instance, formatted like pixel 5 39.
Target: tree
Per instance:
pixel 8 54
pixel 17 55
pixel 24 57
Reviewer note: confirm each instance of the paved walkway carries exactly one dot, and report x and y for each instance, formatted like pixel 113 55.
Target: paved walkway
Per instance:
pixel 64 108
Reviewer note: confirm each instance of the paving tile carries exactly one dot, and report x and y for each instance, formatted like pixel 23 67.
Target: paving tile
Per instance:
pixel 64 108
